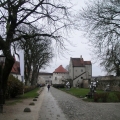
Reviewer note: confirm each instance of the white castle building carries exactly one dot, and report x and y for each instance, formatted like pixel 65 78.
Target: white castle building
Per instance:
pixel 59 75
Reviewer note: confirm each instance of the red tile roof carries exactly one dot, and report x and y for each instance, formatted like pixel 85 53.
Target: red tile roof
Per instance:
pixel 60 69
pixel 16 68
pixel 79 62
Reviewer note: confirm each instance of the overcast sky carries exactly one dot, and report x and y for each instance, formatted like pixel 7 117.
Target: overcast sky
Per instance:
pixel 80 48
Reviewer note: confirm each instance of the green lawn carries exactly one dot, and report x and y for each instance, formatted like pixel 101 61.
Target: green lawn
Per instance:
pixel 30 94
pixel 82 92
pixel 79 92
pixel 76 91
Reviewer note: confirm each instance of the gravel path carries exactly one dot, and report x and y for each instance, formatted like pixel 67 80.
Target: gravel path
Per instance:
pixel 50 109
pixel 76 109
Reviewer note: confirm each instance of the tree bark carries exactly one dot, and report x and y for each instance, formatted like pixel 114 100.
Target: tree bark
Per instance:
pixel 118 71
pixel 6 71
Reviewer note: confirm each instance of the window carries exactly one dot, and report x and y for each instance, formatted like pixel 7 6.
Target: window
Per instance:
pixel 76 70
pixel 49 76
pixel 81 70
pixel 55 78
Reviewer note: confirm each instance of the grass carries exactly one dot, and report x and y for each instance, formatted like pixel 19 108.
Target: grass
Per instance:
pixel 82 92
pixel 76 91
pixel 30 94
pixel 79 92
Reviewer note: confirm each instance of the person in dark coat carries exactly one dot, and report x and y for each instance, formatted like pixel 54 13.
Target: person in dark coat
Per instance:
pixel 48 86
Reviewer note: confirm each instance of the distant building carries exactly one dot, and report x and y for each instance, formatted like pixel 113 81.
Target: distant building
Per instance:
pixel 59 75
pixel 16 70
pixel 79 70
pixel 45 78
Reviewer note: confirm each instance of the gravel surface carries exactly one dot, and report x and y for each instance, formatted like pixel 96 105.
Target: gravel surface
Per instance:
pixel 50 109
pixel 15 112
pixel 58 105
pixel 77 109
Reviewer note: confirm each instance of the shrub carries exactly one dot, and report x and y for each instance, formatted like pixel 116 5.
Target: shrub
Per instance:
pixel 40 85
pixel 28 88
pixel 118 95
pixel 14 87
pixel 101 97
pixel 112 97
pixel 96 97
pixel 104 96
pixel 58 85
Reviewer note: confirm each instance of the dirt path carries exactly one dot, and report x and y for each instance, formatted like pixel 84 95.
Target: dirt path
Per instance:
pixel 15 112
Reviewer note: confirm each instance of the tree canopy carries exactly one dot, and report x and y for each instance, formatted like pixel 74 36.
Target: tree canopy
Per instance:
pixel 100 20
pixel 49 18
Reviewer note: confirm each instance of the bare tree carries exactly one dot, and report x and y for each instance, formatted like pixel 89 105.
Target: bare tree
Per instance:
pixel 38 53
pixel 100 20
pixel 51 16
pixel 41 56
pixel 111 60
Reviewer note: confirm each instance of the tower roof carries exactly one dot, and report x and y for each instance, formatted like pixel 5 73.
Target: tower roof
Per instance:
pixel 60 69
pixel 16 68
pixel 79 62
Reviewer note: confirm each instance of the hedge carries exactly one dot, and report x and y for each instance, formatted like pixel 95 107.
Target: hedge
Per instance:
pixel 29 88
pixel 58 85
pixel 14 87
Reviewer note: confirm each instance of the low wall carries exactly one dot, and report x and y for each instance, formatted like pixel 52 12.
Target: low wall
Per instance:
pixel 114 84
pixel 109 77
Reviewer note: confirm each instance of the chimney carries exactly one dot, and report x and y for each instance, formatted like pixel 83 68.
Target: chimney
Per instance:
pixel 81 60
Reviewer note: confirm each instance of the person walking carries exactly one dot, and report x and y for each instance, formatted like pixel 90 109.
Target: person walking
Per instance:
pixel 48 86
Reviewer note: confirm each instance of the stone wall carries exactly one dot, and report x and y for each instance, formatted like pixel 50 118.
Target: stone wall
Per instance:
pixel 114 84
pixel 109 77
pixel 112 81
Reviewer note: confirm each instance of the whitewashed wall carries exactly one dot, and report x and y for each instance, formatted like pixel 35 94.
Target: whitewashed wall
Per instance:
pixel 43 78
pixel 70 70
pixel 76 71
pixel 88 71
pixel 18 76
pixel 58 77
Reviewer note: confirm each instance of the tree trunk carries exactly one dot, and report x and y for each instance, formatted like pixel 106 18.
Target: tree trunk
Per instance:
pixel 27 75
pixel 33 74
pixel 33 78
pixel 6 71
pixel 118 72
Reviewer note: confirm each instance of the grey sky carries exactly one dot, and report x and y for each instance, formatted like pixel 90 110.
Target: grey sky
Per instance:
pixel 80 49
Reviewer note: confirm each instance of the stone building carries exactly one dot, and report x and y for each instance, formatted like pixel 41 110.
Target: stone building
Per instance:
pixel 79 71
pixel 59 75
pixel 16 70
pixel 45 78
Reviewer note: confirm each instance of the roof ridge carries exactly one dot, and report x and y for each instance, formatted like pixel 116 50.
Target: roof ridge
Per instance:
pixel 60 69
pixel 79 62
